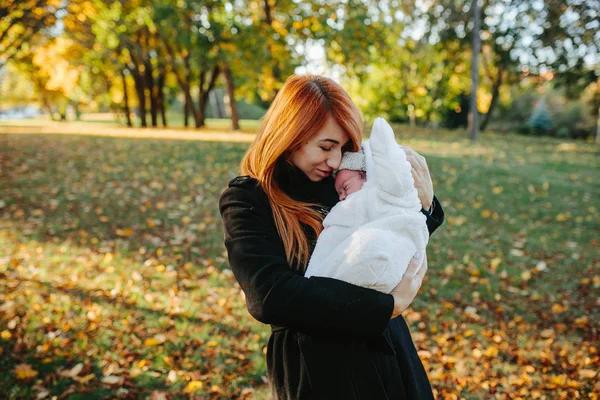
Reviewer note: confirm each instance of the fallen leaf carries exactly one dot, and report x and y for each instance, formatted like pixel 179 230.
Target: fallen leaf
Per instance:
pixel 25 371
pixel 193 386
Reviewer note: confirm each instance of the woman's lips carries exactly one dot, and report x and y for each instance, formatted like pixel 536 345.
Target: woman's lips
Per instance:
pixel 324 174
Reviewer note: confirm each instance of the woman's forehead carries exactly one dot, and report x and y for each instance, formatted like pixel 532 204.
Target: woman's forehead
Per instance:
pixel 332 132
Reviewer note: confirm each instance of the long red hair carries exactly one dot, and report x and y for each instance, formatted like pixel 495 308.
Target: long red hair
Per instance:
pixel 299 111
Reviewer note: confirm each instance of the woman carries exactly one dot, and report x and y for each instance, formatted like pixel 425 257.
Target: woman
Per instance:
pixel 330 339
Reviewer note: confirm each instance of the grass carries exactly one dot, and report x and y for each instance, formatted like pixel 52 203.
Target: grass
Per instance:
pixel 114 281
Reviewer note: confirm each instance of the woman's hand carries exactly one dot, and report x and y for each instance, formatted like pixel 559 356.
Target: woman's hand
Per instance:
pixel 420 173
pixel 409 286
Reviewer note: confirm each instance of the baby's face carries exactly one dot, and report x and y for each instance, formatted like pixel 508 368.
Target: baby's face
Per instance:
pixel 348 182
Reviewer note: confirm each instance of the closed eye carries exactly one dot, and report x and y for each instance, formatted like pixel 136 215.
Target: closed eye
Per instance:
pixel 326 148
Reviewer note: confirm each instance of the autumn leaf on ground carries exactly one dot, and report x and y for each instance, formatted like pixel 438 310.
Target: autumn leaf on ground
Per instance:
pixel 25 372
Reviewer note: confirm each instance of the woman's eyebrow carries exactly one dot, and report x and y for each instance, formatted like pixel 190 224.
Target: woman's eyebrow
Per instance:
pixel 329 140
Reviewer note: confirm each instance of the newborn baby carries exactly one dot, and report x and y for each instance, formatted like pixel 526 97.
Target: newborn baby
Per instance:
pixel 348 181
pixel 371 235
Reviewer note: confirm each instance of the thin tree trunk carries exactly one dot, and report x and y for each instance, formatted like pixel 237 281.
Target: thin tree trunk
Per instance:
pixel 232 105
pixel 218 111
pixel 495 95
pixel 203 95
pixel 126 99
pixel 152 92
pixel 598 127
pixel 411 115
pixel 161 97
pixel 186 113
pixel 474 120
pixel 276 71
pixel 141 94
pixel 48 108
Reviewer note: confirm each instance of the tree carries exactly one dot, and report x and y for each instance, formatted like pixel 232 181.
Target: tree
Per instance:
pixel 474 114
pixel 520 35
pixel 21 21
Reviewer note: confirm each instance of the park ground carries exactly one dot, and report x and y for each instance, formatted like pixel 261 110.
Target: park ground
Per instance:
pixel 114 281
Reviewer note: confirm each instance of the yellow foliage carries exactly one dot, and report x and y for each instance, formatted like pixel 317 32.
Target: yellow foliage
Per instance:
pixel 193 386
pixel 25 372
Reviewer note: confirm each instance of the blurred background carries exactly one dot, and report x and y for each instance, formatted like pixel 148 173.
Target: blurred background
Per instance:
pixel 122 121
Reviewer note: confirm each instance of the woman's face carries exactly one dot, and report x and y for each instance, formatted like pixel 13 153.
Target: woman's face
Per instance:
pixel 318 157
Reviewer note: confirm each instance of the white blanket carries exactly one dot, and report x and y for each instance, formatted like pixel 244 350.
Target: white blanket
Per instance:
pixel 369 238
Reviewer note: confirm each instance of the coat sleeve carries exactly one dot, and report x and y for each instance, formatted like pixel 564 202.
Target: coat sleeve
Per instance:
pixel 436 218
pixel 277 295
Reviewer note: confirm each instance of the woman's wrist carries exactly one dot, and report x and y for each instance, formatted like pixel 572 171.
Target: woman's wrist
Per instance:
pixel 397 310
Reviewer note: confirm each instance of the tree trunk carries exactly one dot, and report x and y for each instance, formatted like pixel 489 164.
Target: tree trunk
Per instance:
pixel 495 95
pixel 186 113
pixel 203 95
pixel 48 107
pixel 411 115
pixel 140 89
pixel 218 111
pixel 598 127
pixel 276 71
pixel 474 115
pixel 152 92
pixel 161 97
pixel 126 99
pixel 232 105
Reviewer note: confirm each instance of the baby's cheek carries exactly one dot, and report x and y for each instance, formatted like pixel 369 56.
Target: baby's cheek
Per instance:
pixel 338 185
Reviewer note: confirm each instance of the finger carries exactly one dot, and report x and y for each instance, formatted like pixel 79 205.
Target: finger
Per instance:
pixel 417 161
pixel 414 265
pixel 416 176
pixel 423 270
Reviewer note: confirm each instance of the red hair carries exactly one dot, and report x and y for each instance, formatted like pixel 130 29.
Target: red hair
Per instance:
pixel 299 111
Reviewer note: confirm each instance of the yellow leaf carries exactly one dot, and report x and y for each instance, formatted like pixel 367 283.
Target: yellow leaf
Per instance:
pixel 84 379
pixel 562 217
pixel 155 340
pixel 193 386
pixel 526 275
pixel 5 335
pixel 495 262
pixel 497 189
pixel 186 220
pixel 25 372
pixel 486 213
pixel 212 343
pixel 491 351
pixel 557 308
pixel 126 232
pixel 151 342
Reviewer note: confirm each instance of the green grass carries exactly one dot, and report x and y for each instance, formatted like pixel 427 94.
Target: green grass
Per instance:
pixel 111 257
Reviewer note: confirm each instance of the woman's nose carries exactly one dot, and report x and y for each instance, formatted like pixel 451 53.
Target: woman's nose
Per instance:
pixel 334 160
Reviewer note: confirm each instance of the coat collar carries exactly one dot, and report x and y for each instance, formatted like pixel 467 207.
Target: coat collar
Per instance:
pixel 299 187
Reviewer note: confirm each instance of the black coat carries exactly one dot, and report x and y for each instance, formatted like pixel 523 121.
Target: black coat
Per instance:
pixel 330 339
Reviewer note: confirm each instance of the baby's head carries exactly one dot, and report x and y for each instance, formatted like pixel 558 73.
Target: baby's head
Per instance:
pixel 351 174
